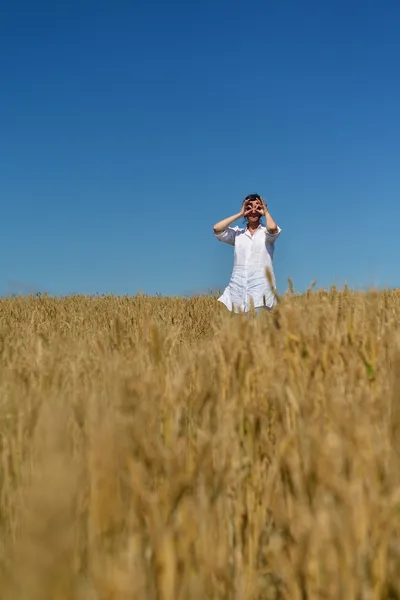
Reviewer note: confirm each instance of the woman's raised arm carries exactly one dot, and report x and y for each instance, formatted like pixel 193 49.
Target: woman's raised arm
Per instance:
pixel 222 225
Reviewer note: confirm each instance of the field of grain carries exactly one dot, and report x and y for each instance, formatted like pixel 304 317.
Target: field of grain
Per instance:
pixel 163 449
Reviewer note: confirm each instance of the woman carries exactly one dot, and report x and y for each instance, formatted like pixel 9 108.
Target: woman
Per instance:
pixel 253 256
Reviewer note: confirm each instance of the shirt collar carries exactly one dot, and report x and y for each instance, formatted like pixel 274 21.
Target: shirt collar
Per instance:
pixel 258 228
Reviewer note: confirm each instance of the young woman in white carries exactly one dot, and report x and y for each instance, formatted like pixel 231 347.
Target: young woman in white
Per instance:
pixel 253 255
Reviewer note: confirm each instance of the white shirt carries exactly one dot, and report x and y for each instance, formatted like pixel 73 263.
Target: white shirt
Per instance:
pixel 252 256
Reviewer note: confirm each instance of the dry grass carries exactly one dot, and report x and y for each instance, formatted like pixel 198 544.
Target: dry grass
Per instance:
pixel 161 449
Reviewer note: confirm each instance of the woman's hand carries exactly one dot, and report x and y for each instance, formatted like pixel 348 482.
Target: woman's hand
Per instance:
pixel 262 208
pixel 245 210
pixel 270 223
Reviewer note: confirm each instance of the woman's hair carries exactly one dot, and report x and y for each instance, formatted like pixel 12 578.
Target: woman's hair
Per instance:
pixel 253 197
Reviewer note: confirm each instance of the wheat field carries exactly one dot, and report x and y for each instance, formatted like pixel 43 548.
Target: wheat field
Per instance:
pixel 163 449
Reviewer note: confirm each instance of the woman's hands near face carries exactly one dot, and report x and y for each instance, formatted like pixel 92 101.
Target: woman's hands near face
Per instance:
pixel 262 208
pixel 256 207
pixel 245 208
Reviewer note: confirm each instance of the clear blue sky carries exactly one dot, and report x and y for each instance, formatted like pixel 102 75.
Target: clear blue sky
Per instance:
pixel 128 128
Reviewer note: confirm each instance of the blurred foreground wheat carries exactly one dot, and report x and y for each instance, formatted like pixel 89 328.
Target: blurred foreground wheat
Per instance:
pixel 163 449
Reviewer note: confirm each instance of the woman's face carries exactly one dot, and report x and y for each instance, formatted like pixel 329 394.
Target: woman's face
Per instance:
pixel 255 208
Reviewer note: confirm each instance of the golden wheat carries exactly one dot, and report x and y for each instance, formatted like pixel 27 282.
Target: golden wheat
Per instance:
pixel 156 448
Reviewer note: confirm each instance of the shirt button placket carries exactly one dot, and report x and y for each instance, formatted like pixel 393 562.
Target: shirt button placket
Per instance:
pixel 247 275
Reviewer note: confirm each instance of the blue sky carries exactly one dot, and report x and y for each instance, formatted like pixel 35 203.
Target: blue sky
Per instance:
pixel 129 128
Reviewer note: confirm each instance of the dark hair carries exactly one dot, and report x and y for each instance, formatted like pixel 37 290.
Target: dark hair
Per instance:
pixel 253 197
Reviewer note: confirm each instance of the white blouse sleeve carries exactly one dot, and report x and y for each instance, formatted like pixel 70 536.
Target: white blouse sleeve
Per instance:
pixel 271 237
pixel 228 235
